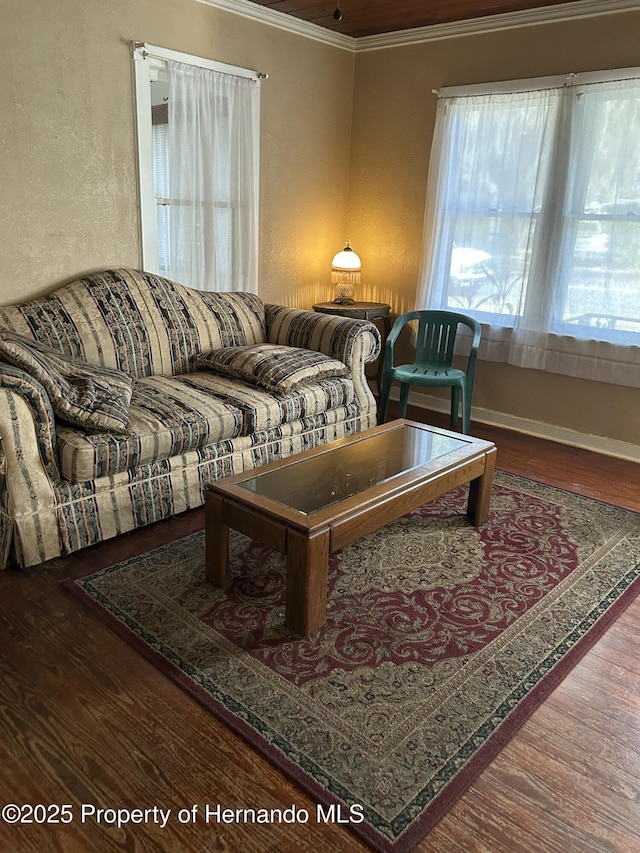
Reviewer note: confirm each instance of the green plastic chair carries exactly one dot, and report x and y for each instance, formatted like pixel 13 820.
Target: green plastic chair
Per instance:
pixel 432 367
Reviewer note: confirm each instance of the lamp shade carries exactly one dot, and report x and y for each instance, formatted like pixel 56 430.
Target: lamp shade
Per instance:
pixel 346 260
pixel 345 274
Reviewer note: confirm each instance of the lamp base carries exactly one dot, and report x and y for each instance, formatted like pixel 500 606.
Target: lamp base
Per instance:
pixel 344 300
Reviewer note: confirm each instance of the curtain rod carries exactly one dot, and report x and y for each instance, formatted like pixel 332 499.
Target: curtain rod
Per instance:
pixel 507 87
pixel 145 51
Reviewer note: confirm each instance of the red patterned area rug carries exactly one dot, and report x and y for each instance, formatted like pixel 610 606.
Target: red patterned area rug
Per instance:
pixel 440 640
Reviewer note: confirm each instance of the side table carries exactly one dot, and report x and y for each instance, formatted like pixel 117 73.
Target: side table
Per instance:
pixel 363 311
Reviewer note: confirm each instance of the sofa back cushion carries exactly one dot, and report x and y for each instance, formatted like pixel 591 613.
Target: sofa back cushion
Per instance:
pixel 138 322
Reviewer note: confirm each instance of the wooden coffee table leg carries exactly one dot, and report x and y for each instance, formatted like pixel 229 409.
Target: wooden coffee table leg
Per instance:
pixel 216 541
pixel 307 568
pixel 480 491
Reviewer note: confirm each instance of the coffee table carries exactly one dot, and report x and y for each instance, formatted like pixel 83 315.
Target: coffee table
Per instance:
pixel 318 501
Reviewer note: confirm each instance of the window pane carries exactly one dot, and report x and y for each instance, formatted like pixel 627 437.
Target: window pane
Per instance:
pixel 162 214
pixel 161 160
pixel 611 154
pixel 497 163
pixel 224 242
pixel 598 282
pixel 488 263
pixel 498 148
pixel 161 193
pixel 602 289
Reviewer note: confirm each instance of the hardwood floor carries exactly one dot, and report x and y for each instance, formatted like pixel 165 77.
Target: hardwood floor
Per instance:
pixel 84 719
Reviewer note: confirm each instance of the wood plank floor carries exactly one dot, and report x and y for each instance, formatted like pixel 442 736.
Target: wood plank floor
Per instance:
pixel 84 719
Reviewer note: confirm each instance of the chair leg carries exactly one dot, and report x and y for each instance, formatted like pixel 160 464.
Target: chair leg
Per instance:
pixel 466 411
pixel 455 405
pixel 404 398
pixel 384 399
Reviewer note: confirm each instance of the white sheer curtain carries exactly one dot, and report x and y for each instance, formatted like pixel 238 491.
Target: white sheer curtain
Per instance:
pixel 533 225
pixel 213 179
pixel 489 164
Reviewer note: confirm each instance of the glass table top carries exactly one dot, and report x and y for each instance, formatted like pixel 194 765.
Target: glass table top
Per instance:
pixel 316 482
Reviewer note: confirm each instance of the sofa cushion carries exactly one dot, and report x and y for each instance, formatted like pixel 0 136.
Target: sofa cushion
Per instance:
pixel 168 417
pixel 88 395
pixel 281 369
pixel 138 322
pixel 262 409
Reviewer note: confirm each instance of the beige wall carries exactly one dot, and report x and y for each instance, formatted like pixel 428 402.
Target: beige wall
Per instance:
pixel 393 120
pixel 67 139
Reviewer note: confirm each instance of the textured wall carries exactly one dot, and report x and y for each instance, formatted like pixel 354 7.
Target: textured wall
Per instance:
pixel 67 139
pixel 393 121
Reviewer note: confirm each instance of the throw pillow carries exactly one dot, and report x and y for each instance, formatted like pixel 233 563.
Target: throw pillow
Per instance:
pixel 81 393
pixel 277 368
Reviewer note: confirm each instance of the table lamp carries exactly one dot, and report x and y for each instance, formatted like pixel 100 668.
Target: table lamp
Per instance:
pixel 345 274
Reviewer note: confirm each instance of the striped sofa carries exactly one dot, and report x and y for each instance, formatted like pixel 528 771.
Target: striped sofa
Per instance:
pixel 115 408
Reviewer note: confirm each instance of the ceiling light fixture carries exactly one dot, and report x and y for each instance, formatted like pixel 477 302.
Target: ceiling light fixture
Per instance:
pixel 337 15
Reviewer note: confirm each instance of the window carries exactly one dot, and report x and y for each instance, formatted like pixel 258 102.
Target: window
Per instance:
pixel 533 221
pixel 160 172
pixel 198 146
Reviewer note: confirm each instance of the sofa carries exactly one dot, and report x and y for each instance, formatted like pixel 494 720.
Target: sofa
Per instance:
pixel 123 393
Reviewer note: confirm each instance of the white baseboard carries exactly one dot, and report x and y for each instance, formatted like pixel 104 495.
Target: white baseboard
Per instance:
pixel 551 432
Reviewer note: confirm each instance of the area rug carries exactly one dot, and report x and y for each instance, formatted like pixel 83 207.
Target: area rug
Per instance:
pixel 440 640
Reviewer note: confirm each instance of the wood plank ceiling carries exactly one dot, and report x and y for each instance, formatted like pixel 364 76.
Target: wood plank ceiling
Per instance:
pixel 371 17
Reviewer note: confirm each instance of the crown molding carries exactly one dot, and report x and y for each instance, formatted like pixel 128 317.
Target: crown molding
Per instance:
pixel 493 23
pixel 267 15
pixel 436 32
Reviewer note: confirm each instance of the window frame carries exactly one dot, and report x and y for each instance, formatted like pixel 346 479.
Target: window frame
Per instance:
pixel 148 61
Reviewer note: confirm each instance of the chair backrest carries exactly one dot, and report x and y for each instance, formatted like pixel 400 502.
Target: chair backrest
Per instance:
pixel 436 337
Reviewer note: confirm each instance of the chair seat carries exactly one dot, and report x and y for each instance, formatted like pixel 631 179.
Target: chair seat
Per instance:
pixel 416 373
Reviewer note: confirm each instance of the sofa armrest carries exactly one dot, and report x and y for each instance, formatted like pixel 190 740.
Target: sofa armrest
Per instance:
pixel 350 341
pixel 28 469
pixel 39 431
pixel 353 342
